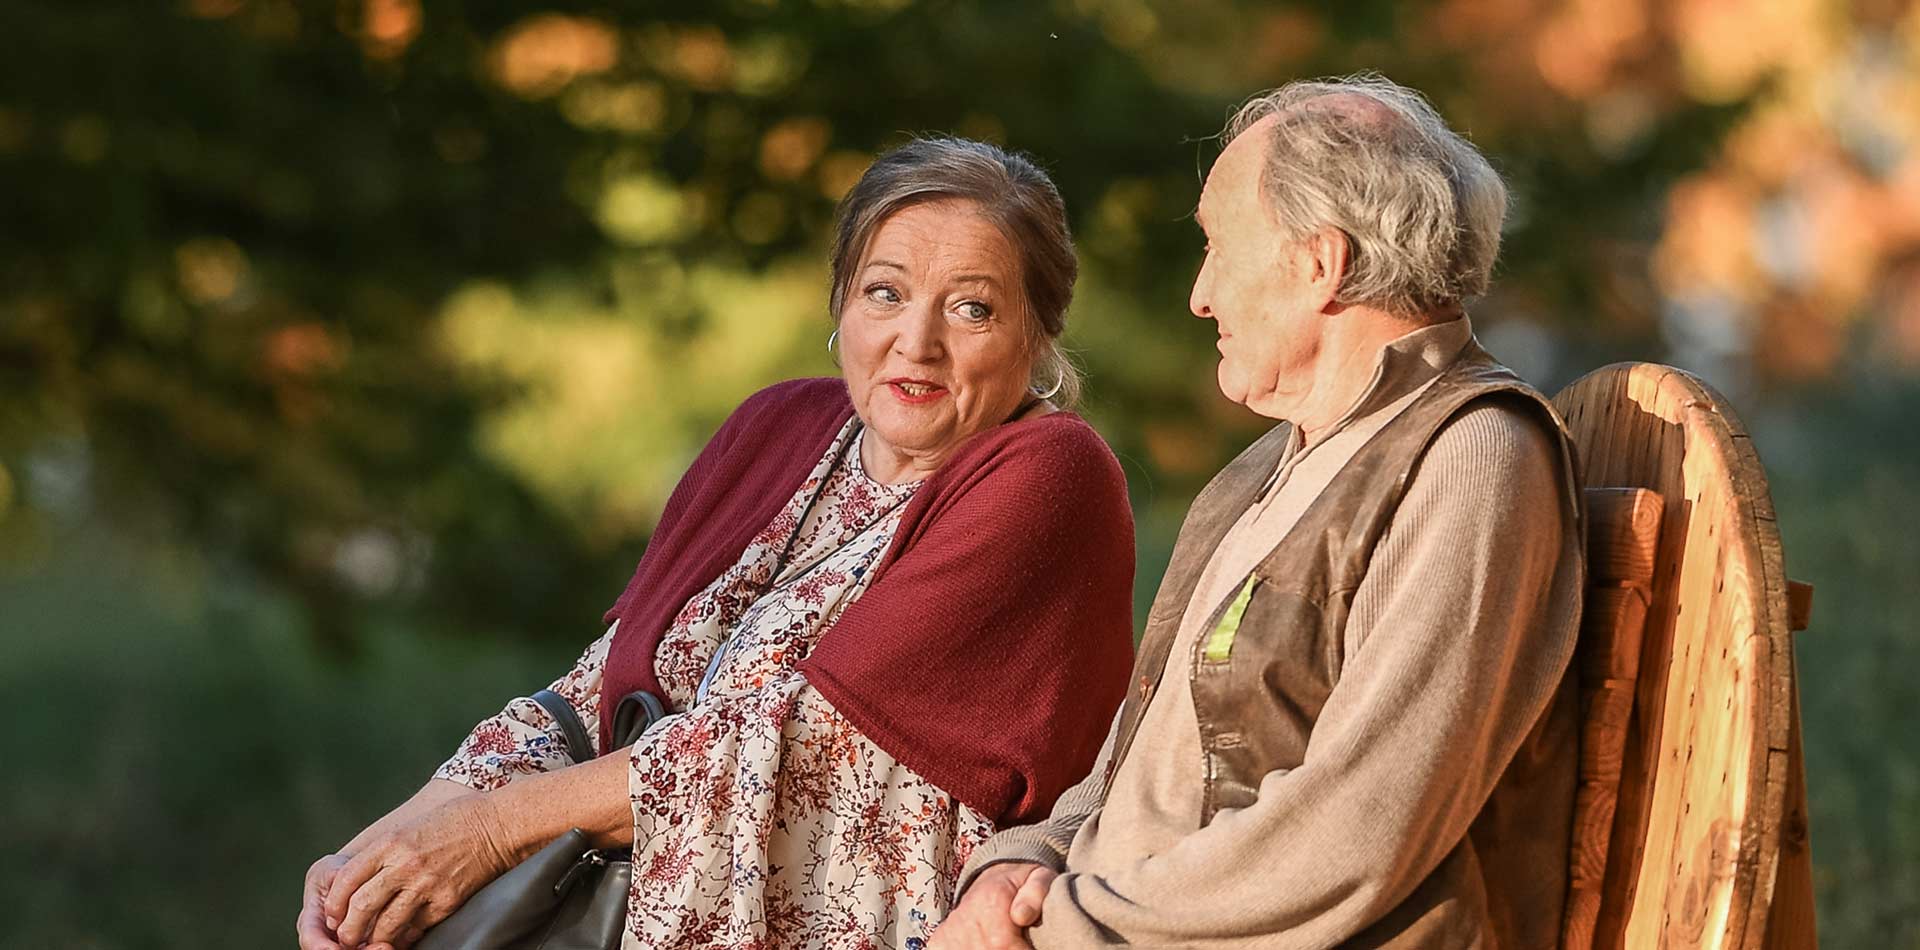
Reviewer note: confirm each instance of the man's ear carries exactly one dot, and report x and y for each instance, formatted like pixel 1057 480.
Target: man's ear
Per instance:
pixel 1332 258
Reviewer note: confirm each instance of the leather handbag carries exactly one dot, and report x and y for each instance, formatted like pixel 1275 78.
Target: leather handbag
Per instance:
pixel 570 895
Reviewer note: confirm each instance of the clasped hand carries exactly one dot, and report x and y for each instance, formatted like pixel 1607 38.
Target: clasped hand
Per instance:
pixel 1003 901
pixel 386 894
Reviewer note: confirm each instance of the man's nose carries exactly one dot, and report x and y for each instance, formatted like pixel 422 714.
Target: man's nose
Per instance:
pixel 1199 301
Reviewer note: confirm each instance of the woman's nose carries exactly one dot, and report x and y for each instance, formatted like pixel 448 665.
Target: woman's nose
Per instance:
pixel 922 336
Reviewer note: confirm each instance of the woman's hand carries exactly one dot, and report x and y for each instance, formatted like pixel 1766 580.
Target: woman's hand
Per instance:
pixel 314 931
pixel 412 868
pixel 1003 901
pixel 410 878
pixel 312 926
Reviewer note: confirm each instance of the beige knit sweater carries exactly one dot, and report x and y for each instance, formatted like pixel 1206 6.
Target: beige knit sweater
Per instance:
pixel 1458 641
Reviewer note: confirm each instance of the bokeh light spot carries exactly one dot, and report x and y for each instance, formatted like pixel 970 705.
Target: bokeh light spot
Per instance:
pixel 790 148
pixel 540 55
pixel 643 209
pixel 209 269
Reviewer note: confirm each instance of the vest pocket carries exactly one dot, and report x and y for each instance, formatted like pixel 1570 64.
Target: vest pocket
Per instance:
pixel 1219 643
pixel 1259 679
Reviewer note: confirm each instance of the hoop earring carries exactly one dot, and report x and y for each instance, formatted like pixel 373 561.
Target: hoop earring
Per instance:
pixel 832 337
pixel 1057 385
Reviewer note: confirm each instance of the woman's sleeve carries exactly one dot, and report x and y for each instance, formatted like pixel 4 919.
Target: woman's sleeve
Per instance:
pixel 523 739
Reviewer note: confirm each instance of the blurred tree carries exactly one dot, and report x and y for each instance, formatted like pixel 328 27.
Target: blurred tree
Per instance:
pixel 228 227
pixel 430 303
pixel 233 225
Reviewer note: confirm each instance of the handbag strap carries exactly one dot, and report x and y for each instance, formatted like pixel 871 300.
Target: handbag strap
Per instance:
pixel 636 714
pixel 578 748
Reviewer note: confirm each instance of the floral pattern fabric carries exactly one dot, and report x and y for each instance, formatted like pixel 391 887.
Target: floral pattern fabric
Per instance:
pixel 762 817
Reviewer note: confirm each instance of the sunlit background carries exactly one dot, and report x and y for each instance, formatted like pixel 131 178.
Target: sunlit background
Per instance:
pixel 349 348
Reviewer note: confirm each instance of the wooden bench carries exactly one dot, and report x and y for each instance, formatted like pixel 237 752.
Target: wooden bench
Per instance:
pixel 1690 826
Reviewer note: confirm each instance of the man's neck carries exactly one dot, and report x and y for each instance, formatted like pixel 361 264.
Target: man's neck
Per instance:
pixel 1350 345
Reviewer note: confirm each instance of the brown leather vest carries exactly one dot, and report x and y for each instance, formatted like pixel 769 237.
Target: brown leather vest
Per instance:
pixel 1270 654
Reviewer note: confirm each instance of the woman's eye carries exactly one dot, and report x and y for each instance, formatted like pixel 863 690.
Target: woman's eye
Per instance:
pixel 975 310
pixel 881 293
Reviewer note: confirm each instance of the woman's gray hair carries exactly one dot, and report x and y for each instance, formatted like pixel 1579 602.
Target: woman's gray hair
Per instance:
pixel 1014 194
pixel 1420 206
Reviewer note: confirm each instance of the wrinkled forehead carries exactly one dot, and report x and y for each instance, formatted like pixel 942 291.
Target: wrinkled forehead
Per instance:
pixel 1247 150
pixel 1235 174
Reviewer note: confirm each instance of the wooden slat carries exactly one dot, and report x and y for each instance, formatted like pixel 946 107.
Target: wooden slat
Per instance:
pixel 1623 529
pixel 1608 705
pixel 1649 415
pixel 1623 532
pixel 1610 629
pixel 1799 605
pixel 1790 922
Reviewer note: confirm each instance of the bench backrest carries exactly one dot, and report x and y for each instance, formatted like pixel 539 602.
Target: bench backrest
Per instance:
pixel 1699 782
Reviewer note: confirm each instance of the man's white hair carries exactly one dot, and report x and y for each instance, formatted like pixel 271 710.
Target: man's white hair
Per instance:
pixel 1420 206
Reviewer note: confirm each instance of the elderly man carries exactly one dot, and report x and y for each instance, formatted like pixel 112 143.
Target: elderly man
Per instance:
pixel 1351 722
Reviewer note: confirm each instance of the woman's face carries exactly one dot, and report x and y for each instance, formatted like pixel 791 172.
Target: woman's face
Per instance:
pixel 933 335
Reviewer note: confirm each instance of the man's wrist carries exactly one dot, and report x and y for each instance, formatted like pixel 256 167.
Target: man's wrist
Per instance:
pixel 1033 852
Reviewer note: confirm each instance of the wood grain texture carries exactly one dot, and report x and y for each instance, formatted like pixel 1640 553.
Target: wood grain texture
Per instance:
pixel 1790 921
pixel 1704 767
pixel 1623 529
pixel 1621 538
pixel 1623 532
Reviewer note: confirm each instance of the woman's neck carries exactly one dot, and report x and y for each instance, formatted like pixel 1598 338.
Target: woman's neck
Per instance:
pixel 888 465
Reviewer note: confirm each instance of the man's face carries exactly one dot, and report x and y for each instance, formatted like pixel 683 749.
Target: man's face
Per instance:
pixel 1254 284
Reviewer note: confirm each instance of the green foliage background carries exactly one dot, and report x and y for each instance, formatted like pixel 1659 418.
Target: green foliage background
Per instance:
pixel 343 370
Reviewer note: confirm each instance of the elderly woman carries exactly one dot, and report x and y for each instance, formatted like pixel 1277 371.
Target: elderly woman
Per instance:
pixel 890 613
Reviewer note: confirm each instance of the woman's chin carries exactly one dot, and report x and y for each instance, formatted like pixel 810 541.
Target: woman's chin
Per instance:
pixel 912 439
pixel 900 436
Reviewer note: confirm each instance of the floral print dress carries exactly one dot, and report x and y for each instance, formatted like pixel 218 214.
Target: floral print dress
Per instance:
pixel 762 818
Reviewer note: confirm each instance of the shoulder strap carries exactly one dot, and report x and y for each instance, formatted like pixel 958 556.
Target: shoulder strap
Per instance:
pixel 562 712
pixel 636 714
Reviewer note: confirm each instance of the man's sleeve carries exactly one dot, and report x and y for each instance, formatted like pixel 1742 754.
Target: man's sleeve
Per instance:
pixel 1045 842
pixel 1464 626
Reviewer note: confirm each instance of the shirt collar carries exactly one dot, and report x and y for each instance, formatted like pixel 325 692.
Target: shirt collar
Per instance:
pixel 1408 363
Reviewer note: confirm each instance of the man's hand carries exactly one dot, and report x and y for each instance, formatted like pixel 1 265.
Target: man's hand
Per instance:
pixel 1002 903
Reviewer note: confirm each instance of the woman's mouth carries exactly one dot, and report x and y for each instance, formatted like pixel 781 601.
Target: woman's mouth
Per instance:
pixel 915 391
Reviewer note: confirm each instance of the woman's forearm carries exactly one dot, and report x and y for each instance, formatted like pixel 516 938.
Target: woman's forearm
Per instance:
pixel 535 809
pixel 430 796
pixel 591 796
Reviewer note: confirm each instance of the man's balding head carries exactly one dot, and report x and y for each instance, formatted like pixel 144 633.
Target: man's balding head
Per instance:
pixel 1362 111
pixel 1420 206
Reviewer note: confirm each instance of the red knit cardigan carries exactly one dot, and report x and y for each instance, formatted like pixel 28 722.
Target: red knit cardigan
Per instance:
pixel 992 646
